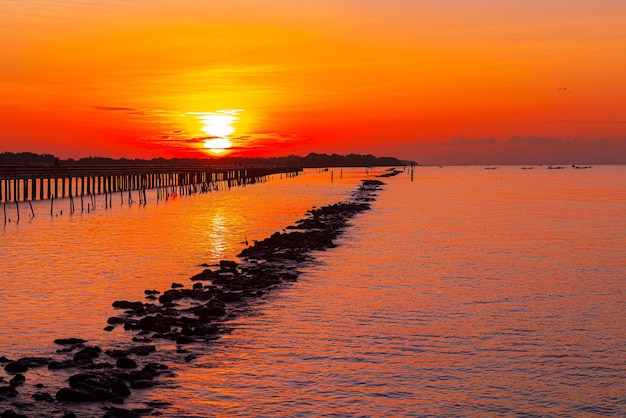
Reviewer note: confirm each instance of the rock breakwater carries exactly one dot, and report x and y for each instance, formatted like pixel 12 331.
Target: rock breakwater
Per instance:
pixel 92 381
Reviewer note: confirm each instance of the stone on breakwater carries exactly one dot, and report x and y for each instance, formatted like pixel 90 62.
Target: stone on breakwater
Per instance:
pixel 69 341
pixel 11 414
pixel 17 380
pixel 7 392
pixel 124 304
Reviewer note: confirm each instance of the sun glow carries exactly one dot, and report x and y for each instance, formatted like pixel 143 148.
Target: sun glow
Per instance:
pixel 219 127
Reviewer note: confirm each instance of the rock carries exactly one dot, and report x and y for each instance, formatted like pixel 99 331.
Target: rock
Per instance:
pixel 18 380
pixel 91 352
pixel 3 359
pixel 109 328
pixel 7 392
pixel 120 413
pixel 82 358
pixel 60 365
pixel 69 341
pixel 115 320
pixel 116 353
pixel 206 274
pixel 156 323
pixel 126 363
pixel 229 296
pixel 120 388
pixel 151 292
pixel 228 265
pixel 183 339
pixel 197 286
pixel 177 285
pixel 141 384
pixel 211 308
pixel 124 304
pixel 11 414
pixel 75 395
pixel 43 396
pixel 142 350
pixel 15 367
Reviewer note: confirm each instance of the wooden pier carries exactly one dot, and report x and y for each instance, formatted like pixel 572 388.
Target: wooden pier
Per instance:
pixel 26 184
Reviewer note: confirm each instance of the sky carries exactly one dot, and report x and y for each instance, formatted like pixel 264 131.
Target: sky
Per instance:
pixel 434 81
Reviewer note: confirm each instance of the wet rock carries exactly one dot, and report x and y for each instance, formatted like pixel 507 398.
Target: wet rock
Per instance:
pixel 120 388
pixel 184 339
pixel 17 380
pixel 69 341
pixel 211 308
pixel 15 367
pixel 151 292
pixel 156 323
pixel 82 358
pixel 177 286
pixel 109 328
pixel 88 352
pixel 115 320
pixel 142 350
pixel 60 365
pixel 75 395
pixel 228 265
pixel 141 384
pixel 197 286
pixel 207 274
pixel 7 392
pixel 43 396
pixel 126 363
pixel 3 359
pixel 229 296
pixel 120 413
pixel 116 353
pixel 124 304
pixel 11 414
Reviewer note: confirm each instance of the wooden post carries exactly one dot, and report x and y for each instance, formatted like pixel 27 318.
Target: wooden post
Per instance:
pixel 17 206
pixel 31 208
pixel 51 205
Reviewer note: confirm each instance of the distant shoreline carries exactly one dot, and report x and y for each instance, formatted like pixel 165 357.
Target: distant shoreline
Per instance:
pixel 312 160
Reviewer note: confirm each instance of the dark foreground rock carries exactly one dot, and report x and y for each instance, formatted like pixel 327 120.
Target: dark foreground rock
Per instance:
pixel 186 317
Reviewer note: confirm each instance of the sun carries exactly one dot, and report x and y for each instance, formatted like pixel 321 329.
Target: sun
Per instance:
pixel 219 127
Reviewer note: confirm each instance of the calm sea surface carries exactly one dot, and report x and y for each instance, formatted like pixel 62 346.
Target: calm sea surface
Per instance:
pixel 466 292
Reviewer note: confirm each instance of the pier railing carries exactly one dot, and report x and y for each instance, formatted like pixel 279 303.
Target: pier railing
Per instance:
pixel 29 183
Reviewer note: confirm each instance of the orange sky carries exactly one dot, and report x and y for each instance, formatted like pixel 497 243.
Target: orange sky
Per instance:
pixel 436 81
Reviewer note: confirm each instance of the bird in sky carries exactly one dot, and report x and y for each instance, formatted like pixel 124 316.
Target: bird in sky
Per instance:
pixel 566 89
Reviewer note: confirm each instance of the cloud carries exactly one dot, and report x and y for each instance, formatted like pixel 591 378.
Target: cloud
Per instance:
pixel 610 122
pixel 566 142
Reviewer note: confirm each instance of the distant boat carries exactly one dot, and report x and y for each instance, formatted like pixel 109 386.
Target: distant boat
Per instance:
pixel 491 168
pixel 527 168
pixel 551 167
pixel 581 166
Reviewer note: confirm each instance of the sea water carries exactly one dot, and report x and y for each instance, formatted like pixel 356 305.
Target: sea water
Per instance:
pixel 462 292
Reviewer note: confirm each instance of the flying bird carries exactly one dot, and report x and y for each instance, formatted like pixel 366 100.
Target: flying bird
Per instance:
pixel 566 89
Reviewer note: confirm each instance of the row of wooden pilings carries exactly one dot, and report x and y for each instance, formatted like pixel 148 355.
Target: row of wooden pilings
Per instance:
pixel 27 184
